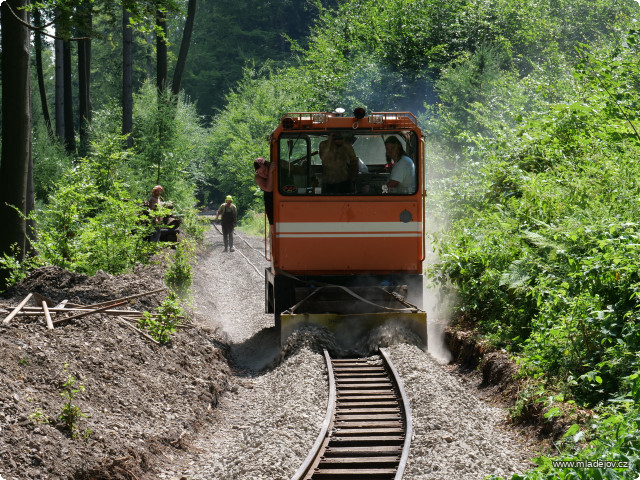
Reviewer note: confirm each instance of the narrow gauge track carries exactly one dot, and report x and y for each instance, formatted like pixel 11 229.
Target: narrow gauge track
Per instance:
pixel 367 431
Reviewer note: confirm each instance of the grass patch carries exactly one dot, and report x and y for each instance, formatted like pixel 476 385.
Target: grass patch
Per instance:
pixel 253 223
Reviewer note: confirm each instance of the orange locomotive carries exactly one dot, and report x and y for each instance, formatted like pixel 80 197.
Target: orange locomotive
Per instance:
pixel 347 243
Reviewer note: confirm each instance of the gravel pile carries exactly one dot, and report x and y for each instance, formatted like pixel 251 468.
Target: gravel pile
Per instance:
pixel 455 434
pixel 265 428
pixel 267 424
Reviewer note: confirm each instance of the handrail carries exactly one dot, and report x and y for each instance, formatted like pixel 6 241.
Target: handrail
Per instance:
pixel 424 200
pixel 267 232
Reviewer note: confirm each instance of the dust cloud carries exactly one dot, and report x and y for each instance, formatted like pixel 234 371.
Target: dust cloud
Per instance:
pixel 437 308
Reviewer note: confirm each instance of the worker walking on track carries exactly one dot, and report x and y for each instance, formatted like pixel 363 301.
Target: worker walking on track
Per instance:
pixel 229 214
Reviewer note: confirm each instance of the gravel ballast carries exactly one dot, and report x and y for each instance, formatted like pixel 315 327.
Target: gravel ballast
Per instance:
pixel 265 427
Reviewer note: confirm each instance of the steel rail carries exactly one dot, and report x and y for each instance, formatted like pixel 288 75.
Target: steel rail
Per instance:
pixel 326 424
pixel 407 414
pixel 366 433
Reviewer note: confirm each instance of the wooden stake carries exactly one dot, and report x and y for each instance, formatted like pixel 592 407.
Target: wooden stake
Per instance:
pixel 45 308
pixel 17 309
pixel 124 322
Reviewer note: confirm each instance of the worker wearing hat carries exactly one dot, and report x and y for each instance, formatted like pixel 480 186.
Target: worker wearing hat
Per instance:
pixel 229 214
pixel 339 164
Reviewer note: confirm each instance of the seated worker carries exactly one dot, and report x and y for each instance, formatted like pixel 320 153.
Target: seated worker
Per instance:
pixel 339 164
pixel 403 172
pixel 155 198
pixel 153 203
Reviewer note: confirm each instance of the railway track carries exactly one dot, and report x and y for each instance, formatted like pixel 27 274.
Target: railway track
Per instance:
pixel 367 430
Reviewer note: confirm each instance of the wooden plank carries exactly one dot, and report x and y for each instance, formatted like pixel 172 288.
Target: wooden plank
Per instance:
pixel 340 417
pixel 366 473
pixel 368 451
pixel 351 392
pixel 370 404
pixel 130 297
pixel 47 316
pixel 38 311
pixel 62 304
pixel 365 424
pixel 97 310
pixel 344 410
pixel 353 397
pixel 360 460
pixel 17 309
pixel 363 380
pixel 345 432
pixel 365 385
pixel 338 441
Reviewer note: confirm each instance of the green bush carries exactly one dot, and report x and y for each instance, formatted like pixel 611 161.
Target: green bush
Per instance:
pixel 164 322
pixel 540 246
pixel 179 275
pixel 253 223
pixel 17 269
pixel 71 413
pixel 86 228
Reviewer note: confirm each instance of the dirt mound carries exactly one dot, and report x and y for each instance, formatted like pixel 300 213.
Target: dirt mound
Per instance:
pixel 496 375
pixel 58 284
pixel 134 398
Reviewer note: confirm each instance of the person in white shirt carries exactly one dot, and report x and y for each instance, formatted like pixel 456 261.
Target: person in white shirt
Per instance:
pixel 403 173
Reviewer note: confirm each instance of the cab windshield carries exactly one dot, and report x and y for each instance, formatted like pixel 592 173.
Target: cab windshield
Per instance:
pixel 344 162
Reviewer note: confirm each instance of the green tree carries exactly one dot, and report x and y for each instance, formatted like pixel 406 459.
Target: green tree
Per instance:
pixel 229 35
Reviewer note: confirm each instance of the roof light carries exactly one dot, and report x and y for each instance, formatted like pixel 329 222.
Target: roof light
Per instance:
pixel 288 122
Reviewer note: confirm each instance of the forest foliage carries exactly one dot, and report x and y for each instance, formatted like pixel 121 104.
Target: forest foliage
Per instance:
pixel 93 216
pixel 529 109
pixel 530 116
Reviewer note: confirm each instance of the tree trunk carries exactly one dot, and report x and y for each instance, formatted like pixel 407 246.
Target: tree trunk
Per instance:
pixel 37 20
pixel 84 73
pixel 127 77
pixel 161 82
pixel 31 206
pixel 184 48
pixel 16 128
pixel 161 51
pixel 59 74
pixel 69 131
pixel 149 56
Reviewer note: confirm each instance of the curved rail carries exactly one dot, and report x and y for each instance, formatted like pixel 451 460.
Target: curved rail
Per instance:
pixel 366 433
pixel 326 424
pixel 408 429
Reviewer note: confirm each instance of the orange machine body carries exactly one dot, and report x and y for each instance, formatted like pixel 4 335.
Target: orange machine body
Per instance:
pixel 365 234
pixel 330 236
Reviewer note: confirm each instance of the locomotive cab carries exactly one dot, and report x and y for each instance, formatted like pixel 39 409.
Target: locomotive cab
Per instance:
pixel 347 244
